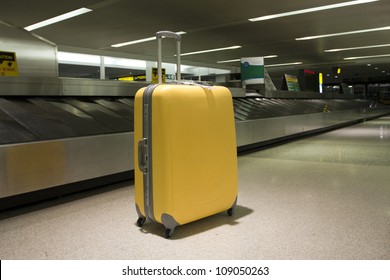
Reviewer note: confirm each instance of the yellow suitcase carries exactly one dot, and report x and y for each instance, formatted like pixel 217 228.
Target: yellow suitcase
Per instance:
pixel 185 146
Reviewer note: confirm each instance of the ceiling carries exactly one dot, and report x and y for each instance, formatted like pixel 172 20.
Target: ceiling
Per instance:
pixel 214 24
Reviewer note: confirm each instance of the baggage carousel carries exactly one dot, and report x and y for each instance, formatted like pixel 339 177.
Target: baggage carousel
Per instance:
pixel 51 145
pixel 63 135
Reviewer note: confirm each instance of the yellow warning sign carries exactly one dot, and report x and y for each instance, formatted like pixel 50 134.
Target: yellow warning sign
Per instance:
pixel 133 78
pixel 155 75
pixel 8 65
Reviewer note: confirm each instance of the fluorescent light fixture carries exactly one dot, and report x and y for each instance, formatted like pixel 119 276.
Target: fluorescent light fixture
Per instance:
pixel 211 50
pixel 311 10
pixel 141 40
pixel 133 42
pixel 231 60
pixel 357 48
pixel 58 18
pixel 344 33
pixel 239 59
pixel 283 64
pixel 368 56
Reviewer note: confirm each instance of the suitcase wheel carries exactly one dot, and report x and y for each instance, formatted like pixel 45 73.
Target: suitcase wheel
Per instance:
pixel 230 211
pixel 168 232
pixel 141 221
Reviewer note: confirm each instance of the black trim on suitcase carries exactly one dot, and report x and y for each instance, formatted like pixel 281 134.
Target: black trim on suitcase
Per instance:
pixel 148 153
pixel 145 159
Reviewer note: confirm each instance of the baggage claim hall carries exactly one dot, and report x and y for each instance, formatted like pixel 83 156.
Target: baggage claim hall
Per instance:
pixel 310 94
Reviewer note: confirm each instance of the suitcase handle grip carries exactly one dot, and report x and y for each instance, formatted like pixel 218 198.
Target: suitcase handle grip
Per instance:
pixel 142 155
pixel 167 34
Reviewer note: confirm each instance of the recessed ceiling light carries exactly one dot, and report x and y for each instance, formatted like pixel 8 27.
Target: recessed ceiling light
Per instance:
pixel 344 33
pixel 58 18
pixel 211 50
pixel 283 64
pixel 141 40
pixel 368 56
pixel 311 10
pixel 357 48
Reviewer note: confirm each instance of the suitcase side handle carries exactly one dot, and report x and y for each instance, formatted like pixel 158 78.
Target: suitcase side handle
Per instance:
pixel 167 34
pixel 142 155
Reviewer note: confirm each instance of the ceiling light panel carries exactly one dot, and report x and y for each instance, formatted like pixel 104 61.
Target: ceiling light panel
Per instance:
pixel 368 56
pixel 133 42
pixel 357 48
pixel 283 64
pixel 385 28
pixel 211 50
pixel 231 60
pixel 311 10
pixel 58 19
pixel 141 40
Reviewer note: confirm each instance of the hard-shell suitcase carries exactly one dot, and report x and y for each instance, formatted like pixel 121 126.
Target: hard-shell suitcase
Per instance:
pixel 185 146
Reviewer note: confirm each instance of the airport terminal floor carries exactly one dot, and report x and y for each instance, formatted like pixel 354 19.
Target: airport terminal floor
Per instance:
pixel 320 197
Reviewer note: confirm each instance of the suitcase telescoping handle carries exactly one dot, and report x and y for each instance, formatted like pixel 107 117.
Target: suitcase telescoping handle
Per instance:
pixel 167 34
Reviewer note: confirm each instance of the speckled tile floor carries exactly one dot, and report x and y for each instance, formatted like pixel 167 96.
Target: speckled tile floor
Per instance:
pixel 323 197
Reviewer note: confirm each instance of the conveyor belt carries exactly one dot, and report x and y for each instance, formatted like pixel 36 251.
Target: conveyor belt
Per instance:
pixel 36 121
pixel 261 108
pixel 81 122
pixel 100 113
pixel 37 118
pixel 12 132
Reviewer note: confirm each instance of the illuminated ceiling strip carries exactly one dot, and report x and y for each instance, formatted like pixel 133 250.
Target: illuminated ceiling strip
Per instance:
pixel 357 48
pixel 344 33
pixel 58 18
pixel 239 59
pixel 141 40
pixel 368 56
pixel 311 10
pixel 283 64
pixel 133 42
pixel 211 50
pixel 231 60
